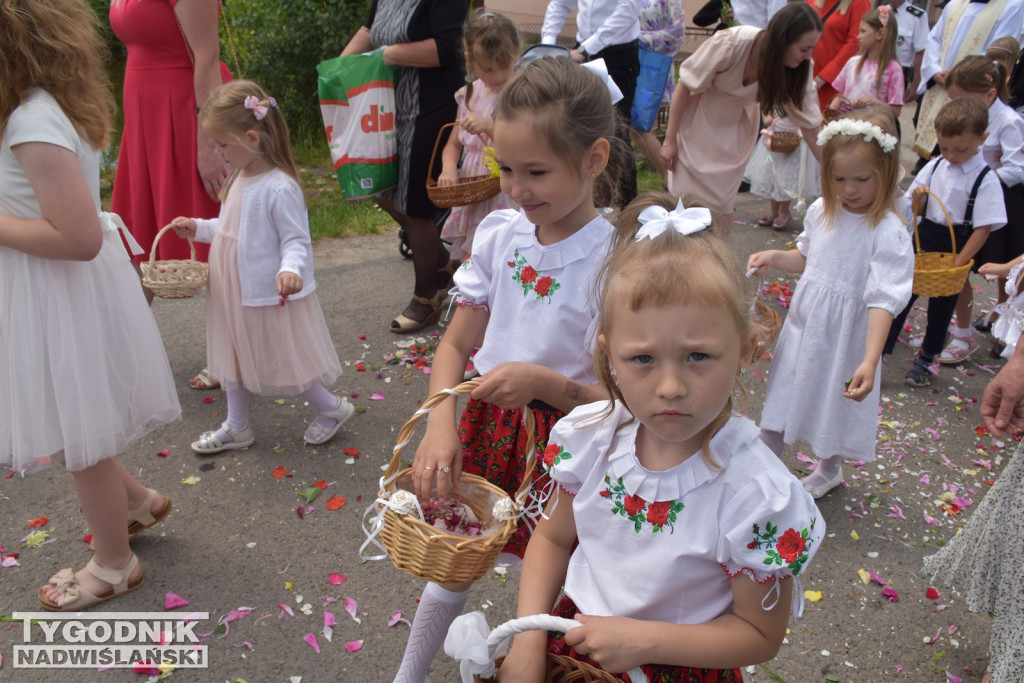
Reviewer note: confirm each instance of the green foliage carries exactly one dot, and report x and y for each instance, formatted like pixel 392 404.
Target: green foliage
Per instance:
pixel 102 10
pixel 280 42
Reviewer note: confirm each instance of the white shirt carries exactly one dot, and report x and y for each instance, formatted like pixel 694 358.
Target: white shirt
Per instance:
pixel 599 23
pixel 912 22
pixel 952 184
pixel 1004 148
pixel 663 546
pixel 756 12
pixel 542 299
pixel 1008 24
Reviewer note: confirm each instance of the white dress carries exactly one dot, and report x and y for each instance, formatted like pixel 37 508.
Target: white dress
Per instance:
pixel 1007 327
pixel 690 528
pixel 784 177
pixel 850 268
pixel 82 366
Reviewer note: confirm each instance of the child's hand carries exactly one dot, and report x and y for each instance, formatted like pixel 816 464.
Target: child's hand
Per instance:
pixel 288 284
pixel 474 124
pixel 862 383
pixel 995 269
pixel 448 177
pixel 508 386
pixel 440 449
pixel 917 198
pixel 184 227
pixel 940 77
pixel 669 154
pixel 607 641
pixel 757 262
pixel 523 665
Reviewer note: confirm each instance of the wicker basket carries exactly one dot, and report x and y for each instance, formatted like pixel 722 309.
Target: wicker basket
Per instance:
pixel 560 668
pixel 784 141
pixel 934 271
pixel 429 553
pixel 469 190
pixel 175 279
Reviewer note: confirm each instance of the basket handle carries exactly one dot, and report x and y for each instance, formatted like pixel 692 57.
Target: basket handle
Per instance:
pixel 156 240
pixel 949 222
pixel 405 433
pixel 430 168
pixel 542 622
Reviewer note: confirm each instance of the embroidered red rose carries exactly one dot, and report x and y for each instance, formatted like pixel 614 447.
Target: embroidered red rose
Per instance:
pixel 633 504
pixel 528 275
pixel 606 493
pixel 791 545
pixel 550 453
pixel 752 545
pixel 657 513
pixel 543 285
pixel 511 264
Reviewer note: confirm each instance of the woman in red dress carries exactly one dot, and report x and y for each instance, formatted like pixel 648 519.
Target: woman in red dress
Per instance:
pixel 838 41
pixel 167 167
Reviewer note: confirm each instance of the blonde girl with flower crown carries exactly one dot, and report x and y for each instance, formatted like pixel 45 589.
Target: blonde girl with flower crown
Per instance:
pixel 492 48
pixel 265 330
pixel 857 265
pixel 645 469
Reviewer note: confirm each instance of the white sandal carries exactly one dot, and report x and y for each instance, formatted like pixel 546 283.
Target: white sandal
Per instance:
pixel 317 434
pixel 957 350
pixel 209 443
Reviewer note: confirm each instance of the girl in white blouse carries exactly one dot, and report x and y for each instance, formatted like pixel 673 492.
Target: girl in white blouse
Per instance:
pixel 527 292
pixel 683 517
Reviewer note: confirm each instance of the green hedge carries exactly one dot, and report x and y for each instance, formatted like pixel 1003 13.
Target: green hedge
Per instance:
pixel 280 42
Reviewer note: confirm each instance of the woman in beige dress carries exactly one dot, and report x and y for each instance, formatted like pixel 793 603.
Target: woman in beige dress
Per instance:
pixel 724 87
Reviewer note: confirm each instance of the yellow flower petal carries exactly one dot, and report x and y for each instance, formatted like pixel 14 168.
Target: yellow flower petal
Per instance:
pixel 812 596
pixel 854 535
pixel 865 577
pixel 191 481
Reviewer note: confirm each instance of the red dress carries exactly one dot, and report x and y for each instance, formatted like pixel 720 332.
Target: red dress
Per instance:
pixel 156 177
pixel 837 44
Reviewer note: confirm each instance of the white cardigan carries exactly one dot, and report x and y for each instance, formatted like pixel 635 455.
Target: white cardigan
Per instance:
pixel 273 238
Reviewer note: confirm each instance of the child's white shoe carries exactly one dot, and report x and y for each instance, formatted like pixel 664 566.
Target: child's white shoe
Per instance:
pixel 316 433
pixel 209 443
pixel 818 486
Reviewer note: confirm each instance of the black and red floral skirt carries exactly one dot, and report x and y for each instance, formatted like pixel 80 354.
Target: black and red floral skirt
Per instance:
pixel 655 673
pixel 494 445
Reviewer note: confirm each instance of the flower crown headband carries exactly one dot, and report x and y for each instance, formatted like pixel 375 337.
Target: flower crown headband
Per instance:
pixel 854 128
pixel 259 107
pixel 655 220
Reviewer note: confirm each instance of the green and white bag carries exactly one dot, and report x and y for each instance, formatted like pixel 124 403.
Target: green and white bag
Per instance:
pixel 357 102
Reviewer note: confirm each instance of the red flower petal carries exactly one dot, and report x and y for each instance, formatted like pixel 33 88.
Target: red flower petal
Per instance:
pixel 931 593
pixel 38 522
pixel 320 484
pixel 279 472
pixel 335 503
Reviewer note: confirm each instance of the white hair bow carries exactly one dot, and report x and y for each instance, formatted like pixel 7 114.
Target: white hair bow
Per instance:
pixel 598 67
pixel 655 220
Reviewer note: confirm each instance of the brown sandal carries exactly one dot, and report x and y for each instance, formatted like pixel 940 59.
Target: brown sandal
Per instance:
pixel 403 324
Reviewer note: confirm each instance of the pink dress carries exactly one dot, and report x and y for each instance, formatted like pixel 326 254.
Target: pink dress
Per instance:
pixel 855 88
pixel 267 349
pixel 719 125
pixel 461 224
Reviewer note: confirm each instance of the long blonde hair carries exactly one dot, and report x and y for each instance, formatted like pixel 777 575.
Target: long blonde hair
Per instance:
pixel 55 45
pixel 225 115
pixel 672 268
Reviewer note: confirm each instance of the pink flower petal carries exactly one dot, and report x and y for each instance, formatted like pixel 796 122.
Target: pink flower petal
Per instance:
pixel 878 579
pixel 953 679
pixel 310 639
pixel 336 579
pixel 285 609
pixel 351 606
pixel 329 619
pixel 173 601
pixel 354 645
pixel 891 594
pixel 164 453
pixel 398 618
pixel 930 520
pixel 377 396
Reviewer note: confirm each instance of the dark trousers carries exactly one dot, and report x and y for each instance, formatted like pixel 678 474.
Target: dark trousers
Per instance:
pixel 934 237
pixel 623 62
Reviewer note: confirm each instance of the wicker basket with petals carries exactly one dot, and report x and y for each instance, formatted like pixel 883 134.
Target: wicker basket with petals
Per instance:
pixel 433 554
pixel 468 190
pixel 784 141
pixel 174 279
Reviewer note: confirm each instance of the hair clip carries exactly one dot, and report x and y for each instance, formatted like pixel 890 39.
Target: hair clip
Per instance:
pixel 988 77
pixel 655 220
pixel 883 14
pixel 259 107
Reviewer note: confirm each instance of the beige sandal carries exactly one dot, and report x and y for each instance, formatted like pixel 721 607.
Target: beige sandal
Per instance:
pixel 141 518
pixel 403 324
pixel 72 597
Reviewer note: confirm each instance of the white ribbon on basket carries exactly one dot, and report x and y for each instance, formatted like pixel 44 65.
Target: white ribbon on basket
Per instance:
pixel 470 641
pixel 524 505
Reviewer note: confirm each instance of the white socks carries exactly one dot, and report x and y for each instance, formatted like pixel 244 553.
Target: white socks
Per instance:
pixel 437 610
pixel 825 471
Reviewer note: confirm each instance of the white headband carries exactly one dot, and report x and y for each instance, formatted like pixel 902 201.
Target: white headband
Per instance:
pixel 655 220
pixel 854 128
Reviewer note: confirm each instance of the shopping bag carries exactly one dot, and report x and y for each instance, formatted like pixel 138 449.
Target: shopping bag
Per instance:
pixel 650 86
pixel 357 102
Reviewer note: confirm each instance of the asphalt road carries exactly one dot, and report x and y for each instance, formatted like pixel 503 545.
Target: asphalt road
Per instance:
pixel 236 542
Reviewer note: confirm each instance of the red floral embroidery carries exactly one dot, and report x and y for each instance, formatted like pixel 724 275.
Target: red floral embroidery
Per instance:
pixel 529 279
pixel 660 514
pixel 657 513
pixel 528 275
pixel 550 452
pixel 791 545
pixel 633 504
pixel 542 286
pixel 790 549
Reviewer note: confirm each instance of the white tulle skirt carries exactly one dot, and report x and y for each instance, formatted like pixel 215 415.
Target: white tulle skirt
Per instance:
pixel 784 177
pixel 83 371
